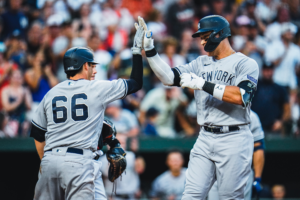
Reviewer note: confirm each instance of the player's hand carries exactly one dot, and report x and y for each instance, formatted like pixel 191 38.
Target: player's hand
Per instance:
pixel 138 38
pixel 192 81
pixel 148 41
pixel 257 186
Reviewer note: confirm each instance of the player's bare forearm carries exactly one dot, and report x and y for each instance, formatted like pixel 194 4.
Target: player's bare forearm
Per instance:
pixel 40 148
pixel 258 162
pixel 232 95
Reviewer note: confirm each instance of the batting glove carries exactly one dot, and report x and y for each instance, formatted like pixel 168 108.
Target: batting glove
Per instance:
pixel 138 38
pixel 192 81
pixel 257 185
pixel 148 41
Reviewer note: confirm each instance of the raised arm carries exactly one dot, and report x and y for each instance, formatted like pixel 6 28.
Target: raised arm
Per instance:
pixel 161 69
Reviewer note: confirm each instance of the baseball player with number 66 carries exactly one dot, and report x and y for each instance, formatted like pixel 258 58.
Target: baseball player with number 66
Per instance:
pixel 224 83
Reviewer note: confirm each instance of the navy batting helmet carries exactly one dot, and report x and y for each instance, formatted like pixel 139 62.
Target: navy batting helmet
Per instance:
pixel 75 57
pixel 218 25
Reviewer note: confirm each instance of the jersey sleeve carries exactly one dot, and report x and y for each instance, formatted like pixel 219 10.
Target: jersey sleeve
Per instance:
pixel 187 68
pixel 247 70
pixel 109 91
pixel 256 127
pixel 39 119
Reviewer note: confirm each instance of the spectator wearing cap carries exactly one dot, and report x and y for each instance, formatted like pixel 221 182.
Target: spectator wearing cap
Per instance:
pixel 14 19
pixel 169 54
pixel 151 117
pixel 170 184
pixel 125 122
pixel 284 55
pixel 274 30
pixel 54 23
pixel 165 100
pixel 241 38
pixel 271 102
pixel 179 17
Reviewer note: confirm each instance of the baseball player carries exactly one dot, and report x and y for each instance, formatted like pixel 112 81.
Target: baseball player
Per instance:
pixel 68 122
pixel 224 84
pixel 258 161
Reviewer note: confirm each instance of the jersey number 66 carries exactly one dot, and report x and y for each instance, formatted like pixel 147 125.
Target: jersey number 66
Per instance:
pixel 60 113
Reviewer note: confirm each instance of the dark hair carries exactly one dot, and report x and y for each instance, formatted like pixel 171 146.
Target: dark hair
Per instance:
pixel 151 112
pixel 74 72
pixel 2 118
pixel 175 150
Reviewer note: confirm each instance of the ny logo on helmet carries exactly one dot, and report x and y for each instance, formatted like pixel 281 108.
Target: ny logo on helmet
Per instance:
pixel 70 68
pixel 198 25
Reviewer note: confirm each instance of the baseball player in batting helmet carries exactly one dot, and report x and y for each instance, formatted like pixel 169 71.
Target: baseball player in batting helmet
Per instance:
pixel 224 83
pixel 68 122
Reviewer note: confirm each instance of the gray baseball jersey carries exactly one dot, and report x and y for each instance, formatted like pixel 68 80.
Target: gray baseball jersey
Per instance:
pixel 230 70
pixel 72 112
pixel 255 127
pixel 166 185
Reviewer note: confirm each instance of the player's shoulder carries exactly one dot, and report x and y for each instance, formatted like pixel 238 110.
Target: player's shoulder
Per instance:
pixel 244 60
pixel 253 115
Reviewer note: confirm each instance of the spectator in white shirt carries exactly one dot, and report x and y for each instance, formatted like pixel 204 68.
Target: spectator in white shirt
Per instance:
pixel 169 53
pixel 284 54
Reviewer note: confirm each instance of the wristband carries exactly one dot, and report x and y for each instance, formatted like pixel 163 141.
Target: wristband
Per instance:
pixel 219 91
pixel 209 87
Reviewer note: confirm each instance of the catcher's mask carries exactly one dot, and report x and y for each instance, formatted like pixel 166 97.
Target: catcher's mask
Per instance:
pixel 218 25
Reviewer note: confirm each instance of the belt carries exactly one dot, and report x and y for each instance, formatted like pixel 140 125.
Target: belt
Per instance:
pixel 72 150
pixel 220 129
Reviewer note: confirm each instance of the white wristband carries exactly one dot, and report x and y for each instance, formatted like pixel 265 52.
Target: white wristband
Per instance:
pixel 219 91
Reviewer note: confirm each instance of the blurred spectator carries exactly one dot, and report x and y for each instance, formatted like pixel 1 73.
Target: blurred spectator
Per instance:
pixel 124 121
pixel 156 25
pixel 138 8
pixel 165 100
pixel 101 56
pixel 62 43
pixel 278 192
pixel 284 55
pixel 189 47
pixel 151 117
pixel 13 19
pixel 274 30
pixel 218 7
pixel 39 77
pixel 179 17
pixel 83 25
pixel 271 102
pixel 169 53
pixel 170 184
pixel 240 39
pixel 266 10
pixel 128 186
pixel 294 6
pixel 3 122
pixel 16 50
pixel 54 23
pixel 16 101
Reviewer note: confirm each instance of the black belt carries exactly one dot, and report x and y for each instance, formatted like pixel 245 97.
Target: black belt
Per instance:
pixel 220 129
pixel 72 150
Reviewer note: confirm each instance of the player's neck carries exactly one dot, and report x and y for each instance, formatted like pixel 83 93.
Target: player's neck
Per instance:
pixel 222 51
pixel 79 76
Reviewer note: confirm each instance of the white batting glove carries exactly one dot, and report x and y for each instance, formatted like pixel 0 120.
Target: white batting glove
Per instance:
pixel 192 81
pixel 138 38
pixel 148 41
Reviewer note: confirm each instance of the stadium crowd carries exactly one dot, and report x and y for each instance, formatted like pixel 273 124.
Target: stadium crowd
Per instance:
pixel 35 34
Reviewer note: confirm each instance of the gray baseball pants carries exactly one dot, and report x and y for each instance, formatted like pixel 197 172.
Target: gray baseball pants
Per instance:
pixel 214 193
pixel 66 176
pixel 225 157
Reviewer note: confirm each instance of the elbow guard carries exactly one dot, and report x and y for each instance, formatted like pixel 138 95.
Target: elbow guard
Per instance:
pixel 260 146
pixel 247 90
pixel 108 134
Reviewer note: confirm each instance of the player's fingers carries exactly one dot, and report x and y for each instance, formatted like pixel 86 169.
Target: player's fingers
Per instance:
pixel 136 26
pixel 141 20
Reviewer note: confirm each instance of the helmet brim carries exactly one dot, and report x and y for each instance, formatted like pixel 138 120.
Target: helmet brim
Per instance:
pixel 197 34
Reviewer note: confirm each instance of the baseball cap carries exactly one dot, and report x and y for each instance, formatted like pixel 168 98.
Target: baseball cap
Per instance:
pixel 55 20
pixel 288 26
pixel 268 66
pixel 243 20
